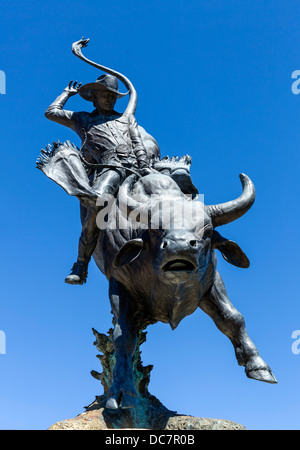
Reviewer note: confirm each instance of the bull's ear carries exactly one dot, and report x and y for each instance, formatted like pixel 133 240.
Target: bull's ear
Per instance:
pixel 231 252
pixel 129 252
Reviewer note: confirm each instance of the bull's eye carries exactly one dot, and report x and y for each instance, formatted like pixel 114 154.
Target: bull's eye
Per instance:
pixel 193 243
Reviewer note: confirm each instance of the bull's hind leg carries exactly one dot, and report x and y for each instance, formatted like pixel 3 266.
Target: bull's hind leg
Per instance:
pixel 122 393
pixel 231 322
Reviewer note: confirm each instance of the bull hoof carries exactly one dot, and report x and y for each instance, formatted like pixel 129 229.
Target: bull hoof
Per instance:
pixel 262 374
pixel 129 401
pixel 112 403
pixel 123 400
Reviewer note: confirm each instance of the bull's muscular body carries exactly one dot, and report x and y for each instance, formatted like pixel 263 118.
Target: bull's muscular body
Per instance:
pixel 165 274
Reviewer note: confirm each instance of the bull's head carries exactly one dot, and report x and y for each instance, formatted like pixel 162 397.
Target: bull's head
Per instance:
pixel 178 252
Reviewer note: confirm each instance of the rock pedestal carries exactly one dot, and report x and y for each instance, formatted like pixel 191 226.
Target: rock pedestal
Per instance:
pixel 98 419
pixel 150 413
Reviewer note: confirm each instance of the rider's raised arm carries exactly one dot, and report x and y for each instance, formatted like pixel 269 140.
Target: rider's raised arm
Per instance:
pixel 56 112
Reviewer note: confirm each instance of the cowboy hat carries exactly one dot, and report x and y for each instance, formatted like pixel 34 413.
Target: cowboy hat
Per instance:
pixel 104 83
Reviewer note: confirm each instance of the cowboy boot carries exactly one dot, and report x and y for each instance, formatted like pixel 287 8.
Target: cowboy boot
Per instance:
pixel 78 274
pixel 86 247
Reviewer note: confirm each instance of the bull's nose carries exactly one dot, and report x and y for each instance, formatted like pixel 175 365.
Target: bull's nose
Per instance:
pixel 166 243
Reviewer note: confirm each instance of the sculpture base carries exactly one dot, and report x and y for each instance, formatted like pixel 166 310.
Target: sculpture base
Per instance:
pixel 149 414
pixel 144 417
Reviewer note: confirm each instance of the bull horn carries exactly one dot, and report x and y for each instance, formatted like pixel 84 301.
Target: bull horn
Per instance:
pixel 224 213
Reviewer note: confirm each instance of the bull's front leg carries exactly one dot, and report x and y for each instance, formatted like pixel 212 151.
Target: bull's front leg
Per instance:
pixel 231 322
pixel 122 392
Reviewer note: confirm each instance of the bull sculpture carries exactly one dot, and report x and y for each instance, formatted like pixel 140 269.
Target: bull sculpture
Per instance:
pixel 157 273
pixel 164 274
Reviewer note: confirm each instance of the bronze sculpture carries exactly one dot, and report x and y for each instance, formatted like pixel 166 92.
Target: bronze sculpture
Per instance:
pixel 175 263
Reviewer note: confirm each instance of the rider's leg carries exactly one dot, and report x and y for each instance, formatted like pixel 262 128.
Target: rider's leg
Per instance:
pixel 107 182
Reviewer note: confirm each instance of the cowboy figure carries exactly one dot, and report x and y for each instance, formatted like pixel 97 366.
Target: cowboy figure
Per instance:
pixel 108 138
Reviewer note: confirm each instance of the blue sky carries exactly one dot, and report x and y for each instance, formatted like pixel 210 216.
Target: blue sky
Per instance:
pixel 214 81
